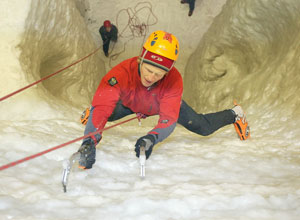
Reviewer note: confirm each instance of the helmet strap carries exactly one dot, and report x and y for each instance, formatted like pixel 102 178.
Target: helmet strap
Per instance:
pixel 142 58
pixel 172 65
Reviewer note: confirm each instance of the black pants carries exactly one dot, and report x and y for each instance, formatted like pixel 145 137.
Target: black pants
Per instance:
pixel 106 46
pixel 191 4
pixel 202 124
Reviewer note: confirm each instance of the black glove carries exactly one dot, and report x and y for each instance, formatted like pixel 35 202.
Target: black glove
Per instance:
pixel 147 142
pixel 87 154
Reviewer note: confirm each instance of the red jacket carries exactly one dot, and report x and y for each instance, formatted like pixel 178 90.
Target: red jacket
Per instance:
pixel 123 83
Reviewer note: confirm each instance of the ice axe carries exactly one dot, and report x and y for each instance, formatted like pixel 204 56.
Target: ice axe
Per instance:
pixel 142 161
pixel 66 172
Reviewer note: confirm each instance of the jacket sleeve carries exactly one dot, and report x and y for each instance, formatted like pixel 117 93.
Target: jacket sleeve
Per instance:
pixel 114 36
pixel 102 34
pixel 169 111
pixel 103 104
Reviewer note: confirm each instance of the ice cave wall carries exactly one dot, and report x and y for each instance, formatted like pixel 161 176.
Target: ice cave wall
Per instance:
pixel 56 36
pixel 250 53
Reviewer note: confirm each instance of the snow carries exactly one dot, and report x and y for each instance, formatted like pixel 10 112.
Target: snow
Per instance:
pixel 187 176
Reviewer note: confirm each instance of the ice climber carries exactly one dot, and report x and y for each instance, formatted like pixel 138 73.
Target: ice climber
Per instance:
pixel 108 32
pixel 149 85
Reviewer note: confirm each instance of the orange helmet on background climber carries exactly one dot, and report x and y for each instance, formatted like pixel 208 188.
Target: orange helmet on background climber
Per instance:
pixel 107 23
pixel 161 49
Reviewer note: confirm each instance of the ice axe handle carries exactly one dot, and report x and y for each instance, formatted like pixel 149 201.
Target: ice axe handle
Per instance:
pixel 142 161
pixel 66 172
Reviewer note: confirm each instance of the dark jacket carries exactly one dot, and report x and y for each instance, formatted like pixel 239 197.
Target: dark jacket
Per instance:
pixel 107 36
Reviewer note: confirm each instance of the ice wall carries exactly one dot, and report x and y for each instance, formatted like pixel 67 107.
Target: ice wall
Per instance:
pixel 11 27
pixel 45 37
pixel 250 53
pixel 55 37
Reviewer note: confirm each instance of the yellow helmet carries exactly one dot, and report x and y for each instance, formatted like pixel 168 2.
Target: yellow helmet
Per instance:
pixel 164 44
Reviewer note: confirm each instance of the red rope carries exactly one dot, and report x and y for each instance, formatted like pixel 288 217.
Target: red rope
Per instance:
pixel 46 77
pixel 61 145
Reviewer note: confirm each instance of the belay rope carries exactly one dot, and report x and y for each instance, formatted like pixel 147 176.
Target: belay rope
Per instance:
pixel 47 77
